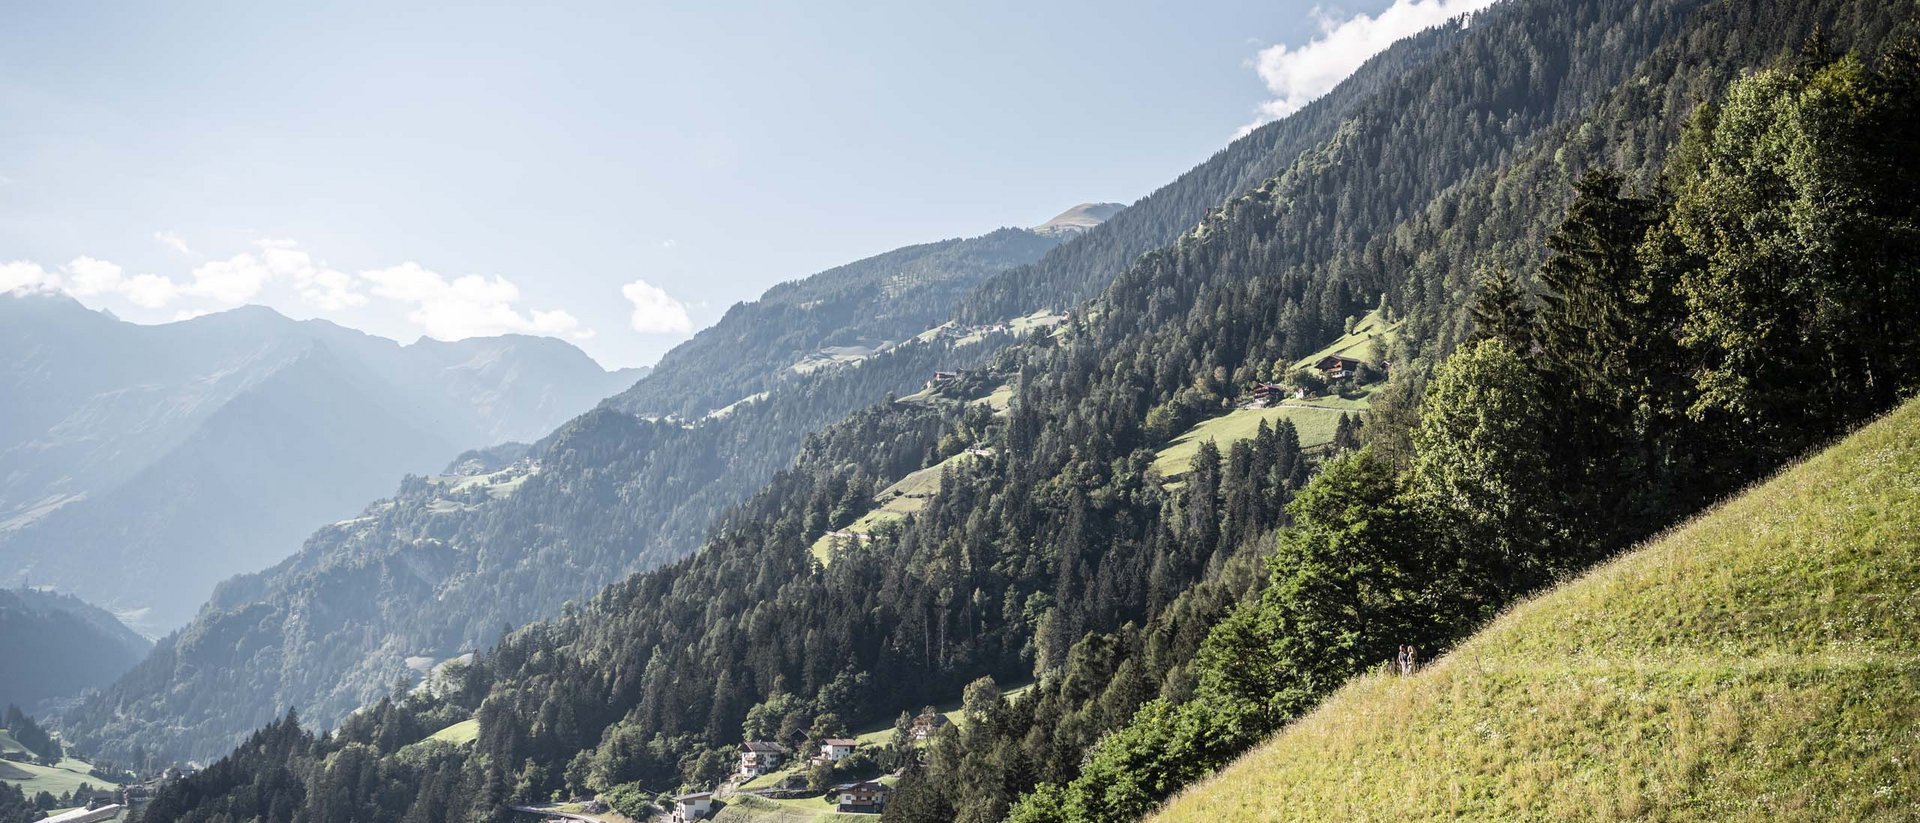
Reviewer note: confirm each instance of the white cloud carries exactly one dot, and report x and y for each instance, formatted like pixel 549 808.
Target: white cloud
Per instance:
pixel 654 311
pixel 467 306
pixel 26 274
pixel 87 276
pixel 329 290
pixel 173 241
pixel 1297 76
pixel 149 291
pixel 234 280
pixel 239 278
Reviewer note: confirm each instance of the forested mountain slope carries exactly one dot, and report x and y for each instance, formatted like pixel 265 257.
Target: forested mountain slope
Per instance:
pixel 437 569
pixel 646 495
pixel 842 314
pixel 1055 550
pixel 55 645
pixel 1595 405
pixel 1080 270
pixel 143 464
pixel 1757 663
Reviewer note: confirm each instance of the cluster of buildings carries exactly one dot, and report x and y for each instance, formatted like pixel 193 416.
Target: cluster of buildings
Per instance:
pixel 763 757
pixel 116 805
pixel 758 757
pixel 1333 368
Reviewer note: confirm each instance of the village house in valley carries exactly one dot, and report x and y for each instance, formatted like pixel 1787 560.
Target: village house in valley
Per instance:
pixel 864 797
pixel 758 757
pixel 834 749
pixel 1337 366
pixel 692 806
pixel 927 723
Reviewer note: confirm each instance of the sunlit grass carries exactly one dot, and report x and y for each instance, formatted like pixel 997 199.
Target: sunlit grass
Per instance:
pixel 903 497
pixel 58 780
pixel 1359 343
pixel 1760 663
pixel 1315 427
pixel 462 732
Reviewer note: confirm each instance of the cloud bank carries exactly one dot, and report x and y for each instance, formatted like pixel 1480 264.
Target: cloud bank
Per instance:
pixel 440 307
pixel 467 306
pixel 654 311
pixel 1298 76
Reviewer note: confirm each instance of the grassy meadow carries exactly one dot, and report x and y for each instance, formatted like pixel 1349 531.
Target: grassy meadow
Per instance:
pixel 1316 427
pixel 59 780
pixel 1761 663
pixel 1357 343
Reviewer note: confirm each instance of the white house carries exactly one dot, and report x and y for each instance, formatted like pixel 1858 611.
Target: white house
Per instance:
pixel 834 748
pixel 692 806
pixel 759 757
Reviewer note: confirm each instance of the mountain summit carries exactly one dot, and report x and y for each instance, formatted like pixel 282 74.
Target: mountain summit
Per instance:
pixel 1079 218
pixel 146 463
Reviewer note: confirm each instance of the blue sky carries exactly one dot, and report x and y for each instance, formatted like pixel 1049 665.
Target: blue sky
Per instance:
pixel 615 174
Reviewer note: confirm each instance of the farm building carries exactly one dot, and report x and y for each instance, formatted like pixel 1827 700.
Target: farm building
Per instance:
pixel 1338 367
pixel 865 797
pixel 927 723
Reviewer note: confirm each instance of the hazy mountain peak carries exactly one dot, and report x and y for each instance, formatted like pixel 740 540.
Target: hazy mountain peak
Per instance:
pixel 1079 218
pixel 186 452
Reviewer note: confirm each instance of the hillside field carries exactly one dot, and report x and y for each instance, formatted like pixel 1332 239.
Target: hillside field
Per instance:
pixel 1357 343
pixel 459 733
pixel 1761 662
pixel 747 808
pixel 66 777
pixel 903 497
pixel 1316 428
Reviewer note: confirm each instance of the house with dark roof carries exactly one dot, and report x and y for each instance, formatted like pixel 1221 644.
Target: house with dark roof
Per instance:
pixel 927 723
pixel 1337 366
pixel 864 797
pixel 692 806
pixel 758 757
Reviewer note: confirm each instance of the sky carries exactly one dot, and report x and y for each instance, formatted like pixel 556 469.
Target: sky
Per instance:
pixel 615 175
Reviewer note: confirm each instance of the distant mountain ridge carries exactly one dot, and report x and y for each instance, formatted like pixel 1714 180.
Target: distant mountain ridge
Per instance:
pixel 1079 218
pixel 55 645
pixel 843 314
pixel 145 463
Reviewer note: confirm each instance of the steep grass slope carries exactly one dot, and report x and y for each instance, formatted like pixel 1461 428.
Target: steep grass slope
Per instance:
pixel 1761 662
